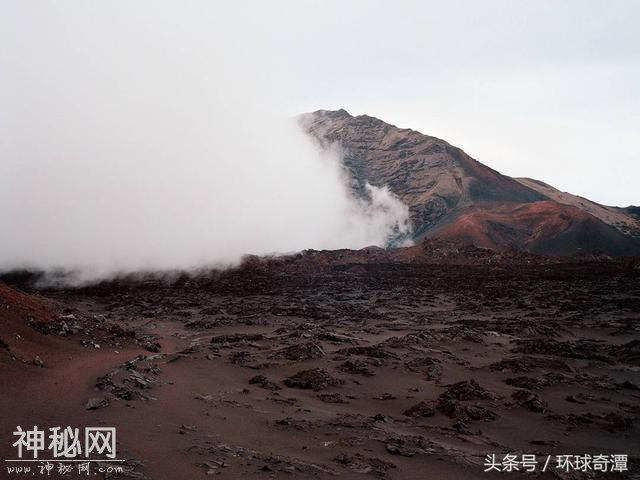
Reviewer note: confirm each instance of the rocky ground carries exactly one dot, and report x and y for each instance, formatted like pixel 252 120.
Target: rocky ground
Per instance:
pixel 301 369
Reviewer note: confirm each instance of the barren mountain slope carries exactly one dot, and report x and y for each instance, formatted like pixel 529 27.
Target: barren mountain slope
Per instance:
pixel 615 216
pixel 431 176
pixel 452 196
pixel 542 227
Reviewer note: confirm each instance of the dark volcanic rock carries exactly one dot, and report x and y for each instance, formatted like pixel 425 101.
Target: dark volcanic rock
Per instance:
pixel 360 464
pixel 263 382
pixel 237 337
pixel 628 353
pixel 525 363
pixel 529 399
pixel 431 367
pixel 465 412
pixel 96 402
pixel 304 351
pixel 331 398
pixel 583 349
pixel 453 402
pixel 467 390
pixel 373 351
pixel 314 379
pixel 152 347
pixel 526 382
pixel 357 367
pixel 422 409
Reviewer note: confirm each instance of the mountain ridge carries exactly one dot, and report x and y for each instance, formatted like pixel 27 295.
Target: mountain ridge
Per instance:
pixel 453 196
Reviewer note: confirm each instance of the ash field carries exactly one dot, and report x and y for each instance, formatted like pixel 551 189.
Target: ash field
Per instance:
pixel 336 364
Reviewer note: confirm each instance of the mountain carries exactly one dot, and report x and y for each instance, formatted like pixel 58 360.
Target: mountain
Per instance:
pixel 454 197
pixel 546 227
pixel 627 220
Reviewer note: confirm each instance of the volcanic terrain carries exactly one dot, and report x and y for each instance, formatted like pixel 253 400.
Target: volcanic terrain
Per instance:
pixel 510 326
pixel 406 364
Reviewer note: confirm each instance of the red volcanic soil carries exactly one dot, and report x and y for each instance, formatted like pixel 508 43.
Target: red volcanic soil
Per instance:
pixel 542 227
pixel 338 364
pixel 23 318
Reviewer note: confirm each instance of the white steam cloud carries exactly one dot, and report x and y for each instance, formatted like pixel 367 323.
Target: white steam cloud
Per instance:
pixel 132 138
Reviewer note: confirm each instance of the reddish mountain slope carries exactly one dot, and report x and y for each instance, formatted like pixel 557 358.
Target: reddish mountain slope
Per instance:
pixel 543 227
pixel 621 218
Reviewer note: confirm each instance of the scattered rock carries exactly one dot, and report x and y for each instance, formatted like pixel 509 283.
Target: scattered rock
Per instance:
pixel 152 347
pixel 422 409
pixel 187 429
pixel 385 396
pixel 465 412
pixel 467 390
pixel 237 338
pixel 373 351
pixel 582 349
pixel 430 367
pixel 573 399
pixel 264 382
pixel 627 385
pixel 527 382
pixel 331 398
pixel 96 402
pixel 407 445
pixel 364 465
pixel 356 367
pixel 313 379
pixel 529 399
pixel 524 364
pixel 304 351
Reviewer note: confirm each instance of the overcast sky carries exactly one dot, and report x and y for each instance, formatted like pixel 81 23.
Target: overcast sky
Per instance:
pixel 160 132
pixel 545 89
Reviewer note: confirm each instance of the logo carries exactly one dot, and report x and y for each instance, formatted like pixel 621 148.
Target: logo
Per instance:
pixel 68 447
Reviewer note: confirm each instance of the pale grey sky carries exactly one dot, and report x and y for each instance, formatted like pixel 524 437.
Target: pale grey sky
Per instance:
pixel 155 134
pixel 545 88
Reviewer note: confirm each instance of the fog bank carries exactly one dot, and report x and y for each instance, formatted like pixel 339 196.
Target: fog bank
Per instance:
pixel 134 139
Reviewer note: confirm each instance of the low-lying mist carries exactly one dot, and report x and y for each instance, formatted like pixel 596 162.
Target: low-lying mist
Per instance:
pixel 133 142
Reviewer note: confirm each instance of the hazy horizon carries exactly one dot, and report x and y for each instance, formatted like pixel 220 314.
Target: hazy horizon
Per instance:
pixel 157 134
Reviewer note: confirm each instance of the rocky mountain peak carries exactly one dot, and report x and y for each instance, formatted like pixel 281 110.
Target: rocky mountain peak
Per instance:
pixel 443 185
